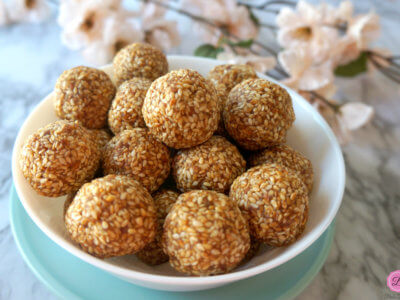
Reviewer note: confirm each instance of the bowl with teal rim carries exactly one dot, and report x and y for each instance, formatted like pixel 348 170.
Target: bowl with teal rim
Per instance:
pixel 310 134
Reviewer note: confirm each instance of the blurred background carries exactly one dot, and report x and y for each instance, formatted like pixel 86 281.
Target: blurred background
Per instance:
pixel 357 92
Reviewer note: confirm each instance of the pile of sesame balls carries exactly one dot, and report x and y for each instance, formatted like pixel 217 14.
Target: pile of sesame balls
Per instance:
pixel 171 166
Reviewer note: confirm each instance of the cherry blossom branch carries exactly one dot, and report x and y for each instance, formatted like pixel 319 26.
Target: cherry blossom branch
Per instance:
pixel 273 27
pixel 180 11
pixel 208 22
pixel 268 3
pixel 390 59
pixel 334 106
pixel 393 74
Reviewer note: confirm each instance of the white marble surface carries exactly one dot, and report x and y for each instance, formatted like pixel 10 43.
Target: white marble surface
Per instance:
pixel 367 241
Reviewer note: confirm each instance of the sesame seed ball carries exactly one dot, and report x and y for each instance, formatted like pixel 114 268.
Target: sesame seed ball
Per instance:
pixel 181 109
pixel 231 75
pixel 275 202
pixel 205 234
pixel 213 165
pixel 153 254
pixel 58 158
pixel 84 94
pixel 101 137
pixel 126 108
pixel 288 157
pixel 258 114
pixel 139 60
pixel 137 154
pixel 112 216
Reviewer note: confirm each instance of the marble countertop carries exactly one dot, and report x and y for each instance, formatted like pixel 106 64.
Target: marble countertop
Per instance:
pixel 367 241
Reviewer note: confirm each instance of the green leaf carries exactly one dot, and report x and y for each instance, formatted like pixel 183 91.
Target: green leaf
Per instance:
pixel 353 68
pixel 208 50
pixel 243 43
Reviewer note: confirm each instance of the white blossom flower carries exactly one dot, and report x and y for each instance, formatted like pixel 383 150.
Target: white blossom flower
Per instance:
pixel 318 27
pixel 4 19
pixel 301 25
pixel 230 15
pixel 303 73
pixel 297 26
pixel 159 32
pixel 29 10
pixel 361 31
pixel 83 21
pixel 117 33
pixel 260 63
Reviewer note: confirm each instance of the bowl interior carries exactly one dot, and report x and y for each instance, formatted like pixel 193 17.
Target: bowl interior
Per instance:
pixel 310 135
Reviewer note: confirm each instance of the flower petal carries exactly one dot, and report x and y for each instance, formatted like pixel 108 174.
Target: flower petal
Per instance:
pixel 20 11
pixel 287 18
pixel 344 12
pixel 241 25
pixel 309 12
pixel 294 61
pixel 365 28
pixel 165 35
pixel 316 77
pixel 345 51
pixel 151 12
pixel 354 115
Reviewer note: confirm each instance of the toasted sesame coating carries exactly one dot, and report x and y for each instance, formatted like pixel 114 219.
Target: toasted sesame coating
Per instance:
pixel 258 114
pixel 275 202
pixel 139 60
pixel 137 154
pixel 58 158
pixel 288 157
pixel 205 234
pixel 181 109
pixel 101 137
pixel 153 254
pixel 112 216
pixel 213 165
pixel 230 75
pixel 126 108
pixel 84 94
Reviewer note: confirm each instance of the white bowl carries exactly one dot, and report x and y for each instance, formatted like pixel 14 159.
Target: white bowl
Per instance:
pixel 310 135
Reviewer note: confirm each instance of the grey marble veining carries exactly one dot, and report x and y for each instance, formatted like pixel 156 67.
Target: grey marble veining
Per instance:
pixel 367 241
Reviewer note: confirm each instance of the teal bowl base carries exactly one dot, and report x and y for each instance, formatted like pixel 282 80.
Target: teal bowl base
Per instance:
pixel 68 277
